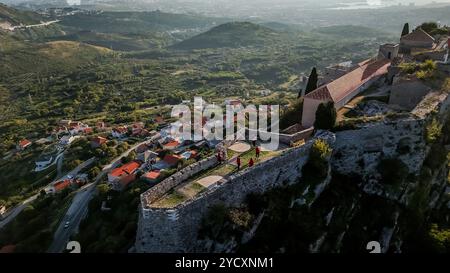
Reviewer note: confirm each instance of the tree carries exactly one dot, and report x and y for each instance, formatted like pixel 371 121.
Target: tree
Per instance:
pixel 405 29
pixel 293 114
pixel 93 172
pixel 312 81
pixel 429 27
pixel 325 116
pixel 103 189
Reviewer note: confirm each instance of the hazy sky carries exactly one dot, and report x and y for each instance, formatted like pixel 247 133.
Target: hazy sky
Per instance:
pixel 257 3
pixel 370 2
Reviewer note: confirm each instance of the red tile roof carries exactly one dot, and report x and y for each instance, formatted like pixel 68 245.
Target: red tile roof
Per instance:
pixel 99 140
pixel 418 35
pixel 120 129
pixel 126 169
pixel 173 143
pixel 88 130
pixel 171 159
pixel 343 86
pixel 159 119
pixel 152 175
pixel 61 185
pixel 24 143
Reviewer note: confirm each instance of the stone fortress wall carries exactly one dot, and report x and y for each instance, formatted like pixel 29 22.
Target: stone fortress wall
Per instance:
pixel 175 230
pixel 354 151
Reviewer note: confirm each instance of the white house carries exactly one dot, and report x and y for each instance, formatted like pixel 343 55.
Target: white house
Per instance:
pixel 43 163
pixel 66 140
pixel 119 132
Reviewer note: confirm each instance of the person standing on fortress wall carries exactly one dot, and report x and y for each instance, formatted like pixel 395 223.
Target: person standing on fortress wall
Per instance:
pixel 238 162
pixel 257 151
pixel 219 157
pixel 251 162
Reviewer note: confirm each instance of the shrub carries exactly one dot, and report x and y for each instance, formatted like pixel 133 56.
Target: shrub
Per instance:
pixel 316 168
pixel 428 65
pixel 408 67
pixel 433 131
pixel 440 238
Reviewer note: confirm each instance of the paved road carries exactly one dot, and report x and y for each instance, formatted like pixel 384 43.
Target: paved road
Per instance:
pixel 79 207
pixel 59 164
pixel 36 25
pixel 17 209
pixel 75 213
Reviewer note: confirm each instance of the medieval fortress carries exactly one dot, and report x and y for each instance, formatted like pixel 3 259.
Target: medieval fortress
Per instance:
pixel 356 150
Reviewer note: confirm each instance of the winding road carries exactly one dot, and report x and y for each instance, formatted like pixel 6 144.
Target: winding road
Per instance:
pixel 79 207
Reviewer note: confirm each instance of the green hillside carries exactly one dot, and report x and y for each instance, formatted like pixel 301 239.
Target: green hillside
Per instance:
pixel 17 17
pixel 59 56
pixel 118 41
pixel 136 22
pixel 233 35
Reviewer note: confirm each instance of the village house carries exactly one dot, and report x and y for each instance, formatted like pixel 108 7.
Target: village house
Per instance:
pixel 66 140
pixel 172 160
pixel 60 186
pixel 137 129
pixel 88 130
pixel 233 102
pixel 343 89
pixel 97 141
pixel 417 39
pixel 169 161
pixel 189 154
pixel 151 176
pixel 264 92
pixel 159 120
pixel 43 162
pixel 100 125
pixel 146 156
pixel 142 148
pixel 64 122
pixel 119 132
pixel 171 145
pixel 120 177
pixel 23 144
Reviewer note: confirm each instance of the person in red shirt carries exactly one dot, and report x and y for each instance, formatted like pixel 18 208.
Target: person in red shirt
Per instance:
pixel 238 162
pixel 257 151
pixel 251 163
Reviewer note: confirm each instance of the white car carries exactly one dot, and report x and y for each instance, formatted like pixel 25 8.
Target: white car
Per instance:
pixel 67 224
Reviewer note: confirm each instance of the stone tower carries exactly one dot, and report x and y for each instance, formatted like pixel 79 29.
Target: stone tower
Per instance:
pixel 388 51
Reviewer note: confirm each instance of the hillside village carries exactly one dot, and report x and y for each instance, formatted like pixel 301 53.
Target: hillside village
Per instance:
pixel 97 165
